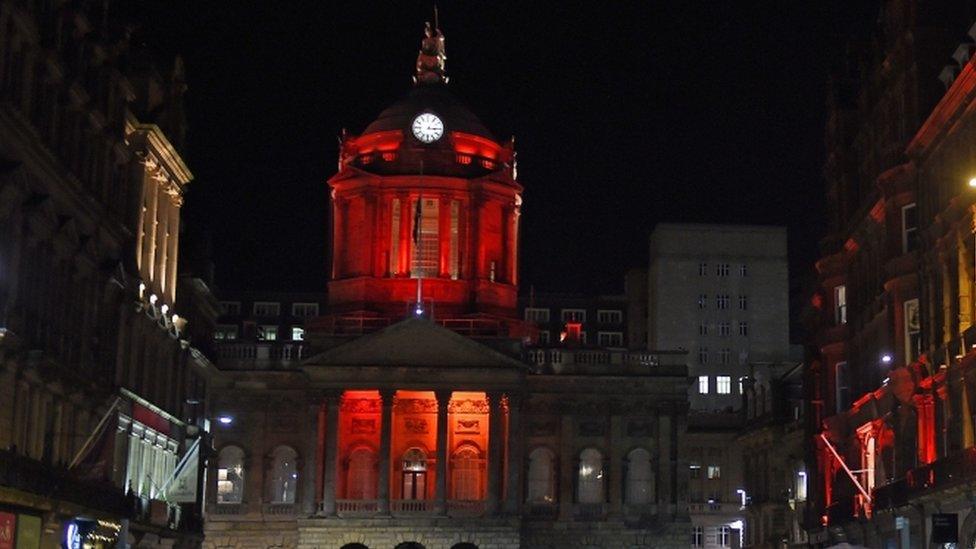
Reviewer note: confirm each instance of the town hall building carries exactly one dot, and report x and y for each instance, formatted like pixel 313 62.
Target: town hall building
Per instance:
pixel 419 410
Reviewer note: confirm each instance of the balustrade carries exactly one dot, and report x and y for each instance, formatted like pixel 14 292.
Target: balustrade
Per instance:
pixel 357 507
pixel 412 506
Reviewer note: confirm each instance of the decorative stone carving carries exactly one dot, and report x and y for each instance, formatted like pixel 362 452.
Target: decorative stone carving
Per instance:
pixel 591 429
pixel 361 405
pixel 417 426
pixel 467 427
pixel 415 406
pixel 468 406
pixel 363 426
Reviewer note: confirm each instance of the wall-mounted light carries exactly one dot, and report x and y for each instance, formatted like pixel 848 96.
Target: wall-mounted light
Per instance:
pixel 164 308
pixel 886 358
pixel 225 420
pixel 153 298
pixel 142 289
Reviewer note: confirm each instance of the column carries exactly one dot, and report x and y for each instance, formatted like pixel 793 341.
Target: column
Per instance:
pixel 513 494
pixel 501 274
pixel 440 486
pixel 513 246
pixel 386 420
pixel 309 465
pixel 616 461
pixel 332 401
pixel 567 467
pixel 666 469
pixel 495 454
pixel 444 236
pixel 339 236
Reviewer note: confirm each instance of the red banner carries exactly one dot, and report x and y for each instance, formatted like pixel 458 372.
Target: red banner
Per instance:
pixel 8 524
pixel 150 419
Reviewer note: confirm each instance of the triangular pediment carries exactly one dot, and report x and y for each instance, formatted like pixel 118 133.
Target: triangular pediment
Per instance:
pixel 415 342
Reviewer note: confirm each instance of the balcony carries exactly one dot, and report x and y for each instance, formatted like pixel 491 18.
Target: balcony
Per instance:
pixel 357 507
pixel 412 507
pixel 950 471
pixel 29 475
pixel 260 355
pixel 279 509
pixel 570 361
pixel 714 508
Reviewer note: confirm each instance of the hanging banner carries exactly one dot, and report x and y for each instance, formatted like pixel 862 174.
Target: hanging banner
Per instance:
pixel 182 486
pixel 8 525
pixel 28 532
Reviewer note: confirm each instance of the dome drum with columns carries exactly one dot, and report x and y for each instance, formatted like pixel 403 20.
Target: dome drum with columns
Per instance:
pixel 425 197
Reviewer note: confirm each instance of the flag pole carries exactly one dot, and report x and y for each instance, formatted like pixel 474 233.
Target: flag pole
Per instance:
pixel 418 244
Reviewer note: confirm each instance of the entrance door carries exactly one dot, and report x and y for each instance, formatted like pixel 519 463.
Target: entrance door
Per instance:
pixel 414 484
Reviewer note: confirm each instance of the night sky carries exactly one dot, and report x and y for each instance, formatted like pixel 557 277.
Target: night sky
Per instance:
pixel 624 116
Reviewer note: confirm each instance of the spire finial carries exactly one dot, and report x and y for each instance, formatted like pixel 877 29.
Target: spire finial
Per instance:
pixel 431 58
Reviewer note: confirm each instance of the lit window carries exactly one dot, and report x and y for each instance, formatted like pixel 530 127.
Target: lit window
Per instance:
pixel 426 252
pixel 305 310
pixel 230 475
pixel 610 339
pixel 722 269
pixel 725 356
pixel 702 269
pixel 230 307
pixel 533 314
pixel 723 385
pixel 609 316
pixel 722 301
pixel 297 333
pixel 266 308
pixel 703 355
pixel 743 271
pixel 694 471
pixel 573 315
pixel 724 329
pixel 226 332
pixel 840 304
pixel 590 481
pixel 913 328
pixel 801 486
pixel 698 536
pixel 703 385
pixel 703 328
pixel 743 303
pixel 743 328
pixel 714 471
pixel 909 228
pixel 725 536
pixel 284 479
pixel 702 301
pixel 267 333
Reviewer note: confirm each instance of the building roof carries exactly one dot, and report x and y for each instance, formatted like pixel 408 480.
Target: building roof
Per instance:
pixel 436 99
pixel 415 342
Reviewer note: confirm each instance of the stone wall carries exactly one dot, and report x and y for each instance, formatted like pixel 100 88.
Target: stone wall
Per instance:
pixel 251 534
pixel 603 535
pixel 432 533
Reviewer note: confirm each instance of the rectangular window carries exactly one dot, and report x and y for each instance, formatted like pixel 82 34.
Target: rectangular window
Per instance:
pixel 543 337
pixel 225 332
pixel 610 339
pixel 703 385
pixel 702 301
pixel 913 329
pixel 841 389
pixel 801 486
pixel 722 269
pixel 702 269
pixel 743 303
pixel 725 356
pixel 694 471
pixel 395 236
pixel 703 355
pixel 455 263
pixel 582 337
pixel 698 536
pixel 604 316
pixel 305 310
pixel 267 332
pixel 703 328
pixel 573 315
pixel 723 385
pixel 266 308
pixel 426 252
pixel 725 536
pixel 724 329
pixel 714 472
pixel 840 305
pixel 743 328
pixel 230 307
pixel 743 270
pixel 538 315
pixel 722 301
pixel 909 228
pixel 297 333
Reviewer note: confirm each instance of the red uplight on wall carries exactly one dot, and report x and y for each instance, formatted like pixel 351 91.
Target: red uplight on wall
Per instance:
pixel 464 159
pixel 365 159
pixel 488 164
pixel 389 156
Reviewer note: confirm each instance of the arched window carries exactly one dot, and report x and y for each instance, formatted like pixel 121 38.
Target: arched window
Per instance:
pixel 639 480
pixel 409 545
pixel 361 477
pixel 354 546
pixel 590 480
pixel 230 475
pixel 466 474
pixel 284 475
pixel 414 484
pixel 542 475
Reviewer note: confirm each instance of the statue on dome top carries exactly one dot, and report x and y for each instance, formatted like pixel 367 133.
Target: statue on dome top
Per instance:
pixel 431 58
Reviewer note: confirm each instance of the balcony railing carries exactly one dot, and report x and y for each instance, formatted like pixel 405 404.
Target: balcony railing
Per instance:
pixel 278 509
pixel 260 355
pixel 412 506
pixel 466 508
pixel 357 507
pixel 566 360
pixel 227 509
pixel 952 470
pixel 713 508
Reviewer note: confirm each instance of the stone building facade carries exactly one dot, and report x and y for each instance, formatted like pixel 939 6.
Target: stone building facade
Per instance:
pixel 97 355
pixel 890 436
pixel 425 413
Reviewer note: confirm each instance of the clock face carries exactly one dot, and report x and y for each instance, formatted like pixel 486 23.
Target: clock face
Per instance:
pixel 427 127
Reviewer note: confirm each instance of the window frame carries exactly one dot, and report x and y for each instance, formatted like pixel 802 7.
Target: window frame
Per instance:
pixel 703 383
pixel 572 317
pixel 530 312
pixel 616 316
pixel 272 305
pixel 723 382
pixel 304 305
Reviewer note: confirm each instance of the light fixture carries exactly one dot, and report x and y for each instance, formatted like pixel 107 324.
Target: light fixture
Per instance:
pixel 225 420
pixel 142 289
pixel 153 298
pixel 742 496
pixel 886 358
pixel 972 182
pixel 164 308
pixel 418 311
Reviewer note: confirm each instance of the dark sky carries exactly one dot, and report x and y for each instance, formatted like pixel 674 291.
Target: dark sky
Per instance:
pixel 624 116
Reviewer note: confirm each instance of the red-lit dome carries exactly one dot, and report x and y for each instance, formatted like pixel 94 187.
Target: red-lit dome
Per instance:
pixel 434 98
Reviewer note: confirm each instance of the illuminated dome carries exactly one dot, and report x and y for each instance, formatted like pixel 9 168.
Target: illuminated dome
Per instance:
pixel 434 98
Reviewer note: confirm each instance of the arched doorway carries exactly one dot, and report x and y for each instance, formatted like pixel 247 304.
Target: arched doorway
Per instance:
pixel 414 482
pixel 410 545
pixel 464 545
pixel 354 546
